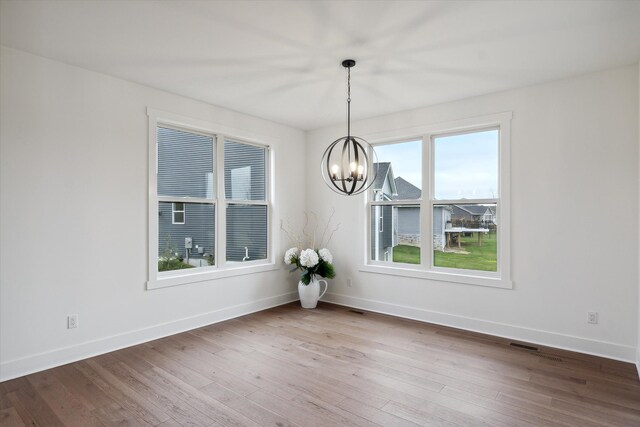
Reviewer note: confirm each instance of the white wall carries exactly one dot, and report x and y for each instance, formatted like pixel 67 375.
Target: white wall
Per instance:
pixel 574 155
pixel 74 216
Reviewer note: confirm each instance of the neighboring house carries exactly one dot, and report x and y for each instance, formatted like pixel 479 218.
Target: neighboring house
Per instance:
pixel 409 217
pixel 463 214
pixel 180 221
pixel 192 224
pixel 384 221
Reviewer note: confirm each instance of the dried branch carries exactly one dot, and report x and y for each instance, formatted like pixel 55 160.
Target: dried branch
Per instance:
pixel 310 231
pixel 331 235
pixel 326 227
pixel 293 237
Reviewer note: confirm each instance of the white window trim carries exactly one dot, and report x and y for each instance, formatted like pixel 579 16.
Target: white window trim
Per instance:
pixel 221 269
pixel 425 270
pixel 174 211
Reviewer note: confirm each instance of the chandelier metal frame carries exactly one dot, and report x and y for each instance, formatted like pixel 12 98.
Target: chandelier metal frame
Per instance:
pixel 349 165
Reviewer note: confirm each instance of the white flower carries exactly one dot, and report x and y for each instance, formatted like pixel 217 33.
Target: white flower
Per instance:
pixel 309 258
pixel 289 255
pixel 326 255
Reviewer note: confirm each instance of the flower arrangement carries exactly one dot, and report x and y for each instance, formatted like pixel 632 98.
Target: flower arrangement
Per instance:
pixel 312 262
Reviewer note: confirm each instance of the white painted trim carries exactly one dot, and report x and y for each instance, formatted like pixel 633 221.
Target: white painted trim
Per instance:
pixel 638 360
pixel 418 132
pixel 222 268
pixel 174 211
pixel 50 359
pixel 176 277
pixel 426 270
pixel 606 349
pixel 464 277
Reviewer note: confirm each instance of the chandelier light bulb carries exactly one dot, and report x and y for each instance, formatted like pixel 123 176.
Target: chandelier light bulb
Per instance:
pixel 334 172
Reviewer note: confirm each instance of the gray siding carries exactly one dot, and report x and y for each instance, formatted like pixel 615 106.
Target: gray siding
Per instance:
pixel 198 224
pixel 244 171
pixel 387 239
pixel 387 231
pixel 246 227
pixel 409 220
pixel 185 169
pixel 244 179
pixel 185 164
pixel 441 214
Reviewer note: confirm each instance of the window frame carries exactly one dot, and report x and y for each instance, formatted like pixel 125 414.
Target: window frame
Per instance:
pixel 426 270
pixel 228 201
pixel 222 268
pixel 174 211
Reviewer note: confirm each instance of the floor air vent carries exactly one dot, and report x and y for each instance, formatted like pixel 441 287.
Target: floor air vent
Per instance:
pixel 523 346
pixel 547 356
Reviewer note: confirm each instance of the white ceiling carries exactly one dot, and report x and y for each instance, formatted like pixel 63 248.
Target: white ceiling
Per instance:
pixel 280 60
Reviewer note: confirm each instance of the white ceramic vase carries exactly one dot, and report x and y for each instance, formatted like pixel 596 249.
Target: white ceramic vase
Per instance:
pixel 310 294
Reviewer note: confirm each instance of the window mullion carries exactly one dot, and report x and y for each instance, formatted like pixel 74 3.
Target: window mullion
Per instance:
pixel 221 213
pixel 171 199
pixel 465 201
pixel 247 202
pixel 426 208
pixel 396 203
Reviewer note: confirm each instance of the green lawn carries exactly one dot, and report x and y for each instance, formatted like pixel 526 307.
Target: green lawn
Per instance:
pixel 479 257
pixel 172 264
pixel 408 254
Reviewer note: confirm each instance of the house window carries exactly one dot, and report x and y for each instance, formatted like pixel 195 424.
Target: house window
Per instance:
pixel 394 212
pixel 465 177
pixel 177 212
pixel 185 167
pixel 443 199
pixel 221 184
pixel 246 200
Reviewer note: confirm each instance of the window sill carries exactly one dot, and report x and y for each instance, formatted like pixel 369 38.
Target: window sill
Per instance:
pixel 465 279
pixel 207 275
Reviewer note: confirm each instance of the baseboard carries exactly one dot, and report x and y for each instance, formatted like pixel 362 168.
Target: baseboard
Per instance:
pixel 638 360
pixel 535 336
pixel 61 356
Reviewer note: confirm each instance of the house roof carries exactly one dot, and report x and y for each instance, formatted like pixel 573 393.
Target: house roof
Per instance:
pixel 383 170
pixel 406 190
pixel 475 209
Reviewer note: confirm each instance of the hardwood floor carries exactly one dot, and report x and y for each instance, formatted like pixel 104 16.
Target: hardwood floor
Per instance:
pixel 329 366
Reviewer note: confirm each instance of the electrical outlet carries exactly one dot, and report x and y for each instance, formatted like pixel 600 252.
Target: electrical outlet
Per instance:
pixel 592 317
pixel 72 321
pixel 349 282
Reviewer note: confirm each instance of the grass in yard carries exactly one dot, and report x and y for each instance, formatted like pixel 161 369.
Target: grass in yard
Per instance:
pixel 172 264
pixel 479 257
pixel 408 254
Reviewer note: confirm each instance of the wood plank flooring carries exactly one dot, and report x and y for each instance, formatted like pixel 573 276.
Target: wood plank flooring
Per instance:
pixel 330 366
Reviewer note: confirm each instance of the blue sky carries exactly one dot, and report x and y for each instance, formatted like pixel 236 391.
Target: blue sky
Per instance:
pixel 466 166
pixel 405 158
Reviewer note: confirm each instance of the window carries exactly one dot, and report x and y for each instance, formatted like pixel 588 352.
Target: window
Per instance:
pixel 209 210
pixel 177 212
pixel 465 182
pixel 246 195
pixel 394 212
pixel 438 207
pixel 185 166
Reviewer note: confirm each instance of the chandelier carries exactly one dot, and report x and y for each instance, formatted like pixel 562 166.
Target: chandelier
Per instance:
pixel 349 165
